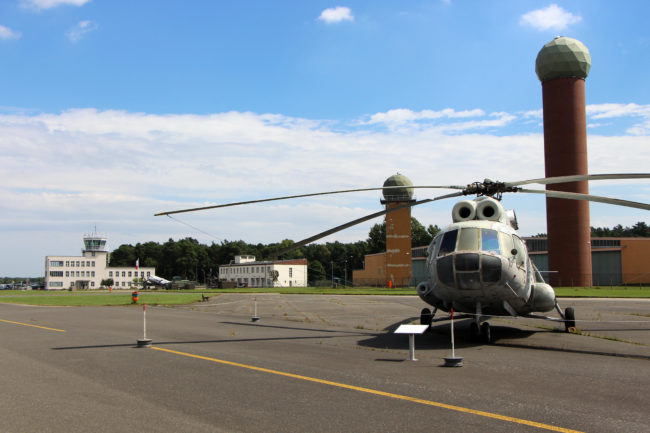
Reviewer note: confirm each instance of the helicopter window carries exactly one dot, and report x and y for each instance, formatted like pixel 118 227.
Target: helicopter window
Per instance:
pixel 448 244
pixel 521 249
pixel 468 239
pixel 490 241
pixel 506 244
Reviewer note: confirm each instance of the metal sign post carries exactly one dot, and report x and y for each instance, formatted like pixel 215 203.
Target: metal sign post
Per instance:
pixel 411 330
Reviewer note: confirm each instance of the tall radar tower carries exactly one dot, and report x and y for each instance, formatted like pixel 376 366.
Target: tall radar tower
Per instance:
pixel 398 230
pixel 562 66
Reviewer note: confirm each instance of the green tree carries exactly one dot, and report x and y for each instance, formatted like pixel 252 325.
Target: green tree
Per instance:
pixel 377 238
pixel 433 230
pixel 419 235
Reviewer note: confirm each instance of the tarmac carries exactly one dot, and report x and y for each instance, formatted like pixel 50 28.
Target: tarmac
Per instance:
pixel 319 364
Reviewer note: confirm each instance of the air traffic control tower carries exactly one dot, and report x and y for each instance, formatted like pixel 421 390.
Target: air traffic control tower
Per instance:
pixel 562 66
pixel 398 230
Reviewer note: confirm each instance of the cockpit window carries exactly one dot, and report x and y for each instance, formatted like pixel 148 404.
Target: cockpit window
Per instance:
pixel 506 244
pixel 468 239
pixel 490 241
pixel 448 244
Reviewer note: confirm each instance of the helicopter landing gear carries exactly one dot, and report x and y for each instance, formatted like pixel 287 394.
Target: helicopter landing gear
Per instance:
pixel 480 333
pixel 474 331
pixel 426 317
pixel 486 334
pixel 569 319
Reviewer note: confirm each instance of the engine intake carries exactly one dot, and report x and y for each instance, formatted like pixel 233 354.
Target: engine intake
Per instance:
pixel 489 209
pixel 464 211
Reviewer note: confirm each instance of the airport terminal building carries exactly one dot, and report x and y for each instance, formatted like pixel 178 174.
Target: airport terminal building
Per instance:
pixel 245 271
pixel 88 270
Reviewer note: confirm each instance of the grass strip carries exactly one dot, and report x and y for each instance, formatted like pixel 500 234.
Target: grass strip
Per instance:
pixel 180 297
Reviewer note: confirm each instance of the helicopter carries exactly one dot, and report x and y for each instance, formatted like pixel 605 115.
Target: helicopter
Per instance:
pixel 478 265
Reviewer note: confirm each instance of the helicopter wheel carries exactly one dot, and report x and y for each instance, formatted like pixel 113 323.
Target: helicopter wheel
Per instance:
pixel 474 332
pixel 486 334
pixel 569 318
pixel 426 317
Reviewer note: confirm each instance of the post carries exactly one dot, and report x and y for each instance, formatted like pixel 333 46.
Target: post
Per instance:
pixel 144 342
pixel 412 347
pixel 453 360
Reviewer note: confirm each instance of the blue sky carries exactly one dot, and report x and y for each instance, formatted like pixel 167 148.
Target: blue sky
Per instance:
pixel 111 111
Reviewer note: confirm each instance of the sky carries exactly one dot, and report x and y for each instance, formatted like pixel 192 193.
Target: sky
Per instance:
pixel 112 111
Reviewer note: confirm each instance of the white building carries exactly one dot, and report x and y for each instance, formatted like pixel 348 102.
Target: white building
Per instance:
pixel 88 270
pixel 244 270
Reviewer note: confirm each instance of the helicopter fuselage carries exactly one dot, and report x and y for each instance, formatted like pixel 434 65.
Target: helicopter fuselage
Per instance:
pixel 479 264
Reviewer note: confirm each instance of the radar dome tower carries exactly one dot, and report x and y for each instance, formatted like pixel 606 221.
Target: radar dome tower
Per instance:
pixel 562 66
pixel 398 230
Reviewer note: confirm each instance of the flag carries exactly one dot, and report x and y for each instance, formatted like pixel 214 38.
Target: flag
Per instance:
pixel 137 263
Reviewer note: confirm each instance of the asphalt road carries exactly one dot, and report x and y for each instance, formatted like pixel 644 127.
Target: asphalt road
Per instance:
pixel 318 364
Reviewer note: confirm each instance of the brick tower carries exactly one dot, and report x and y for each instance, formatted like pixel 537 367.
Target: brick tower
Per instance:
pixel 398 230
pixel 562 66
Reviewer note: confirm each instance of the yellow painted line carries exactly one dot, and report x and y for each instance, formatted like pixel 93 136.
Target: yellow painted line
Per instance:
pixel 376 392
pixel 33 326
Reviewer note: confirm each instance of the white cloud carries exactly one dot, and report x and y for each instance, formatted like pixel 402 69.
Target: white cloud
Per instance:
pixel 67 172
pixel 81 29
pixel 611 111
pixel 336 15
pixel 446 120
pixel 552 17
pixel 49 4
pixel 7 33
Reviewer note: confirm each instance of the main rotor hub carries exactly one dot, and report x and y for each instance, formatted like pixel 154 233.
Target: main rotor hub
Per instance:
pixel 489 188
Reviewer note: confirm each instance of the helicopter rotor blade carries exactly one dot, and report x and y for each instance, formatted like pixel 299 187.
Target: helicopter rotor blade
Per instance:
pixel 588 197
pixel 579 178
pixel 287 197
pixel 349 224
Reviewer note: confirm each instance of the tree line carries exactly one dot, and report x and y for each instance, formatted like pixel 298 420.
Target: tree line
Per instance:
pixel 192 260
pixel 638 230
pixel 195 261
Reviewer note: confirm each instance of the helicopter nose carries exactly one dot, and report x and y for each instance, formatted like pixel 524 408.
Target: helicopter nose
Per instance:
pixel 469 270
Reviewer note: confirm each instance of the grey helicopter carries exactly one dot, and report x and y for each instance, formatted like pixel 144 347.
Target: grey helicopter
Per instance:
pixel 478 265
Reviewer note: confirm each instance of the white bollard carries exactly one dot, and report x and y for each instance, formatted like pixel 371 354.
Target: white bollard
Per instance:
pixel 144 342
pixel 453 360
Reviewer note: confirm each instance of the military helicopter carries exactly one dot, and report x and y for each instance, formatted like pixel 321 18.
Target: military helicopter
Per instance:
pixel 478 265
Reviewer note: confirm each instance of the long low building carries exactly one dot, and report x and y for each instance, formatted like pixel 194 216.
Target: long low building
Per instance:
pixel 244 270
pixel 90 269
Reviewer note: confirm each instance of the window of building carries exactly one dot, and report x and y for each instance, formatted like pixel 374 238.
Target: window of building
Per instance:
pixel 290 272
pixel 88 263
pixel 56 263
pixel 67 263
pixel 110 273
pixel 67 273
pixel 148 273
pixel 77 264
pixel 92 284
pixel 77 273
pixel 56 283
pixel 83 264
pixel 129 273
pixel 93 262
pixel 124 273
pixel 56 273
pixel 92 273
